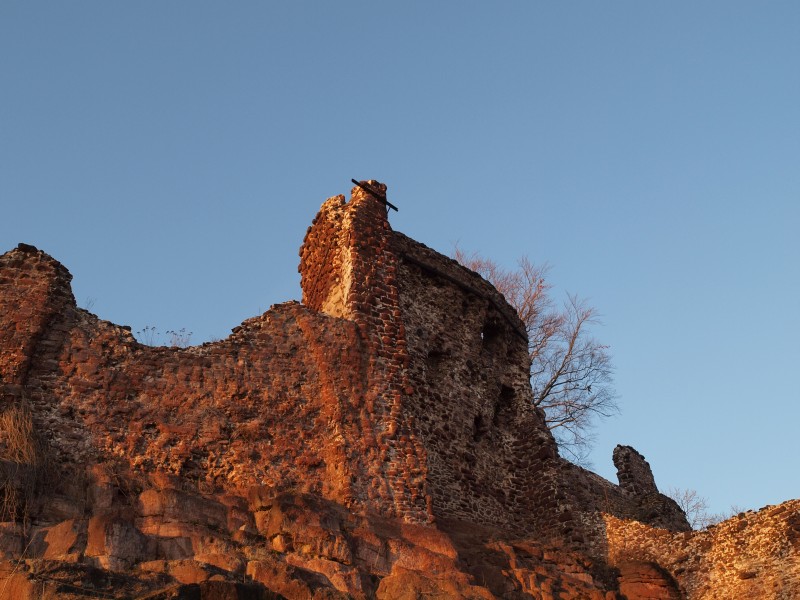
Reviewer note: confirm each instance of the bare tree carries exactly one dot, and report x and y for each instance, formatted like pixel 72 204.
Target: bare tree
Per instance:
pixel 571 373
pixel 695 507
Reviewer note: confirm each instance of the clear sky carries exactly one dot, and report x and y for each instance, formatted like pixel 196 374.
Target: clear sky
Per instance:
pixel 172 154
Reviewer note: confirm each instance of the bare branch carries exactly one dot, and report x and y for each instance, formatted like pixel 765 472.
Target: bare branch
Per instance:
pixel 695 507
pixel 571 373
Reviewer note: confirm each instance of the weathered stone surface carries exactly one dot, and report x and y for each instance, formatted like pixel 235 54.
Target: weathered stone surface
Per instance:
pixel 17 585
pixel 12 540
pixel 406 584
pixel 646 581
pixel 66 538
pixel 377 440
pixel 116 543
pixel 175 506
pixel 280 577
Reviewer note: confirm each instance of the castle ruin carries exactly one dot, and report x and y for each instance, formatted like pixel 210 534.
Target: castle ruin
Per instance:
pixel 384 420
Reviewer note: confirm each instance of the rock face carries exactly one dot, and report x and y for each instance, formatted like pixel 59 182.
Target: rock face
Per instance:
pixel 375 441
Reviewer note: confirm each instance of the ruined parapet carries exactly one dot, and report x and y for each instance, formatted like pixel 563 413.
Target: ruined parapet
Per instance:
pixel 633 472
pixel 449 369
pixel 379 436
pixel 450 382
pixel 35 294
pixel 272 405
pixel 637 483
pixel 343 259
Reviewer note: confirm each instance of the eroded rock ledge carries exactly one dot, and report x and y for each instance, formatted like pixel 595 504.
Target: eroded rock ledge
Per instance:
pixel 375 441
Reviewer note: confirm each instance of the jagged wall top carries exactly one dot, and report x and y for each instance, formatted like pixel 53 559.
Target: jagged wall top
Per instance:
pixel 344 238
pixel 411 370
pixel 415 405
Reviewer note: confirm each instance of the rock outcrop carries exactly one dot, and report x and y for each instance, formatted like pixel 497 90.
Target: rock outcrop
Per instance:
pixel 375 441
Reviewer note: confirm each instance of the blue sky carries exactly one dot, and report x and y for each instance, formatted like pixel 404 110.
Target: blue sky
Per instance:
pixel 172 154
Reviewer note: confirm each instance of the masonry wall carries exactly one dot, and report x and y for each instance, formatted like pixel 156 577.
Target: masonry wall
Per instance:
pixel 449 373
pixel 347 269
pixel 751 555
pixel 278 403
pixel 448 368
pixel 400 385
pixel 490 456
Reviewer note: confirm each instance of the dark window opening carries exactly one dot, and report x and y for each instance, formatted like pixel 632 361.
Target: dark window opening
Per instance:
pixel 491 336
pixel 502 407
pixel 435 366
pixel 479 428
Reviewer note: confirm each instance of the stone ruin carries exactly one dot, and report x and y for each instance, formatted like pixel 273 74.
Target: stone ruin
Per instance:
pixel 377 440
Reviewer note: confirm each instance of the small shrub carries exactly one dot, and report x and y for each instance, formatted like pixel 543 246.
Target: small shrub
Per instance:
pixel 180 338
pixel 150 336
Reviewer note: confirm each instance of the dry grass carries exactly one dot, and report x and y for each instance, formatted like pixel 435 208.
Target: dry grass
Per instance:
pixel 25 464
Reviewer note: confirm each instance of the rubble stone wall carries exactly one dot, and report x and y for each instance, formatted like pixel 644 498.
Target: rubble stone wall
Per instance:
pixel 271 404
pixel 399 385
pixel 751 555
pixel 396 395
pixel 448 367
pixel 35 292
pixel 360 284
pixel 490 456
pixel 449 373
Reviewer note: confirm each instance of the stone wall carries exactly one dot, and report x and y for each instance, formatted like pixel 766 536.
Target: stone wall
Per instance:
pixel 399 385
pixel 36 292
pixel 449 367
pixel 268 405
pixel 348 270
pixel 752 555
pixel 398 392
pixel 448 370
pixel 490 456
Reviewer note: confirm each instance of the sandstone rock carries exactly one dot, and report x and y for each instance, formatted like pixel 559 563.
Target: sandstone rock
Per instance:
pixel 239 515
pixel 189 571
pixel 224 590
pixel 214 590
pixel 261 497
pixel 116 544
pixel 18 586
pixel 344 578
pixel 306 525
pixel 175 505
pixel 279 577
pixel 58 508
pixel 67 538
pixel 294 583
pixel 227 561
pixel 404 584
pixel 11 540
pixel 646 581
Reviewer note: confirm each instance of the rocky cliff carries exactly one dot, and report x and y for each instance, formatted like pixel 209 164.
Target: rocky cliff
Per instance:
pixel 375 441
